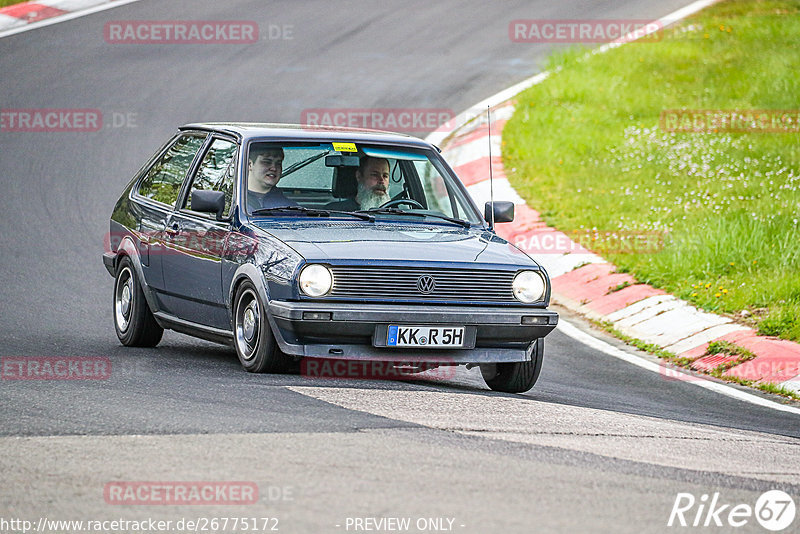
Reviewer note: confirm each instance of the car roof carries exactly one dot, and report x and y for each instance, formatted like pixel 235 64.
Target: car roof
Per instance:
pixel 252 130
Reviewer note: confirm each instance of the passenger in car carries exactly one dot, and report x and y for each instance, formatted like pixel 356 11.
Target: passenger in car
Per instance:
pixel 372 178
pixel 265 165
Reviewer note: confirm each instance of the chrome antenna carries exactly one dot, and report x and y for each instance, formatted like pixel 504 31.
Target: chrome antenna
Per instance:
pixel 491 182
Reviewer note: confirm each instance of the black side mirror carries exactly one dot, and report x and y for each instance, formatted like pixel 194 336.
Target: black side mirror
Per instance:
pixel 209 202
pixel 503 211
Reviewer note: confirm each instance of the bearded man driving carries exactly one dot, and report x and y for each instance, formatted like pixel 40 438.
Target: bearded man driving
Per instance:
pixel 372 178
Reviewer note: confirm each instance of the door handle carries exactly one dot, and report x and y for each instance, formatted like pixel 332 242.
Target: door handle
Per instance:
pixel 173 228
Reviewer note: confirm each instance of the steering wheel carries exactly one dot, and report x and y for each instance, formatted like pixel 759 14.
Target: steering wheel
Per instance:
pixel 400 201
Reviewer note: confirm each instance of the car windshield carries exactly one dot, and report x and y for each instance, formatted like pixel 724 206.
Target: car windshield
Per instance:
pixel 386 182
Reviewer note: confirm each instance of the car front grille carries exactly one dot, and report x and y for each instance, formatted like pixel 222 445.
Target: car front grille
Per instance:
pixel 414 283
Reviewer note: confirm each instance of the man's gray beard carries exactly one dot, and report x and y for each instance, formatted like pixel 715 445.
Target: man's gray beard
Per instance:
pixel 367 199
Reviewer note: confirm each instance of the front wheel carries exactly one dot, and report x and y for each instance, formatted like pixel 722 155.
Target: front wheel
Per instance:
pixel 515 377
pixel 255 344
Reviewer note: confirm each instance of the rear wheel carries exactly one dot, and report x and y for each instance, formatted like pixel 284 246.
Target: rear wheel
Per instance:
pixel 515 377
pixel 133 320
pixel 255 344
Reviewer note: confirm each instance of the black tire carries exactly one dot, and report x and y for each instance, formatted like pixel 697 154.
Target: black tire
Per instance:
pixel 133 320
pixel 252 336
pixel 516 377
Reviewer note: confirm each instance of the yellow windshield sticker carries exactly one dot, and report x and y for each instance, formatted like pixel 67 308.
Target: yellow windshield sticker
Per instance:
pixel 345 147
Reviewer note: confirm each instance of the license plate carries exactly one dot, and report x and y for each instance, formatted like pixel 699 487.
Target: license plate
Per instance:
pixel 425 336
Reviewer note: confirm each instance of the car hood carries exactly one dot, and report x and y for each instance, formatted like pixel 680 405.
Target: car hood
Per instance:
pixel 383 241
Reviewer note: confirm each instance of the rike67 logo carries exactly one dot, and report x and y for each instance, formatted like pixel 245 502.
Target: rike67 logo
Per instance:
pixel 774 510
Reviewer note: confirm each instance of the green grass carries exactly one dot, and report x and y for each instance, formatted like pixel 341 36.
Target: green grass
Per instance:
pixel 655 350
pixel 776 389
pixel 4 3
pixel 731 349
pixel 618 287
pixel 585 149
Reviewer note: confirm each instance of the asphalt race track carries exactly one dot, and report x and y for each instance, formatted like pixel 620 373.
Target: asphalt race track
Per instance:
pixel 597 445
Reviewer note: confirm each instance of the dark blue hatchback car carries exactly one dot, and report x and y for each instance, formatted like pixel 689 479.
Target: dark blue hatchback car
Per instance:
pixel 290 243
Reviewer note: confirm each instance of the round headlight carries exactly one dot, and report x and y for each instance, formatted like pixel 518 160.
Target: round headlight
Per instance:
pixel 315 280
pixel 529 286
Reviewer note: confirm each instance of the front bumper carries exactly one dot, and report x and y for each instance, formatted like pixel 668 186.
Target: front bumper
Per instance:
pixel 350 333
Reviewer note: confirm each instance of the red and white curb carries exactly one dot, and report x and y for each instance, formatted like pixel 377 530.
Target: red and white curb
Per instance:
pixel 17 18
pixel 585 282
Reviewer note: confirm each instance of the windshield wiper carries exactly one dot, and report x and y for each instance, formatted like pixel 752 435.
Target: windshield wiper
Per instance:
pixel 362 216
pixel 313 212
pixel 300 164
pixel 397 211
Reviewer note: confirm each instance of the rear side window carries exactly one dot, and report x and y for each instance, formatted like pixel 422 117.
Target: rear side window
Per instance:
pixel 216 172
pixel 163 181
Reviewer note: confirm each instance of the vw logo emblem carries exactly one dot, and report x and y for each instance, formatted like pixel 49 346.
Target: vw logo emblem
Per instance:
pixel 426 284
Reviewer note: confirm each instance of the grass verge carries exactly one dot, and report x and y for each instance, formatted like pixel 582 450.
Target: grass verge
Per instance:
pixel 585 149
